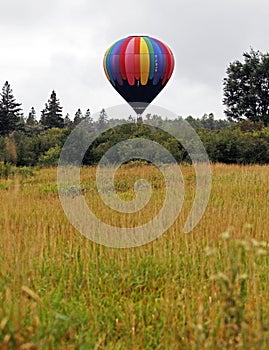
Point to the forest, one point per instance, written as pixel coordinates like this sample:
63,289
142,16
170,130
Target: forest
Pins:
241,138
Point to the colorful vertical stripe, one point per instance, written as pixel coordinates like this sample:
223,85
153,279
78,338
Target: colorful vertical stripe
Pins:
138,60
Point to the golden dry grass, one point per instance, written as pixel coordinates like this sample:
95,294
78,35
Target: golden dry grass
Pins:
202,290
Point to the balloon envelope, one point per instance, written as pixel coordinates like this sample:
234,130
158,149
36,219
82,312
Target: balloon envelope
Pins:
139,67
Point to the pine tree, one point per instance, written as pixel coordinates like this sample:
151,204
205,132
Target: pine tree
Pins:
103,118
44,115
131,119
51,116
88,117
20,125
88,114
9,110
78,117
67,121
31,120
32,126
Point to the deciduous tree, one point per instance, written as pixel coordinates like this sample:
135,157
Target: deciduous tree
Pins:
246,88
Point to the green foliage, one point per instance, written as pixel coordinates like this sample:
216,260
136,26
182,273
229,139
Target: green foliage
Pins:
246,93
52,114
78,117
51,157
67,121
243,142
2,148
31,120
6,170
103,119
234,146
25,172
9,110
208,122
130,131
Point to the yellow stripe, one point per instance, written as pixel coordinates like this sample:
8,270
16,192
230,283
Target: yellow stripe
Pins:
144,61
104,65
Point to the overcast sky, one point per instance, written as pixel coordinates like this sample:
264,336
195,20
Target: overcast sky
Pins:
60,44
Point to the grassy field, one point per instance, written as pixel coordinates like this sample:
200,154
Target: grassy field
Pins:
204,290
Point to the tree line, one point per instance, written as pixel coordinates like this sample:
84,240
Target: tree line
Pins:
241,138
12,118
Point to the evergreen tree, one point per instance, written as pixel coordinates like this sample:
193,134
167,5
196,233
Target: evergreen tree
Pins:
43,114
131,119
9,111
103,119
78,117
67,121
88,117
31,120
88,114
20,125
51,116
32,126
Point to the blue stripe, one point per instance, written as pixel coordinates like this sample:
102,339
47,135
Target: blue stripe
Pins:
112,71
158,62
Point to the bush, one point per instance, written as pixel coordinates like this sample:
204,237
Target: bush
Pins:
51,157
6,170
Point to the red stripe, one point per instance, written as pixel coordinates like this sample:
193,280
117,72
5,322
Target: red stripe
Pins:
137,58
129,62
172,65
122,58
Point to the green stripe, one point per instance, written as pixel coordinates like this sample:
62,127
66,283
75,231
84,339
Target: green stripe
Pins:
107,65
151,55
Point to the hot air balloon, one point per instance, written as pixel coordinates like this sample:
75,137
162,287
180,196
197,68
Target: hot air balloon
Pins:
139,67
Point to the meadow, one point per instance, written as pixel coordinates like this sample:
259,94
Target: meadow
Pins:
204,290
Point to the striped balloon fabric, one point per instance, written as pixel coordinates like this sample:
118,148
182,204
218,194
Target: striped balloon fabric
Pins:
139,58
139,67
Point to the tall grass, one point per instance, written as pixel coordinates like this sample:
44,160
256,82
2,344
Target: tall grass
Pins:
204,290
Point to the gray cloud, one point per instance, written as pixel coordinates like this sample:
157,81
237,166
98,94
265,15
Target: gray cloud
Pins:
60,45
